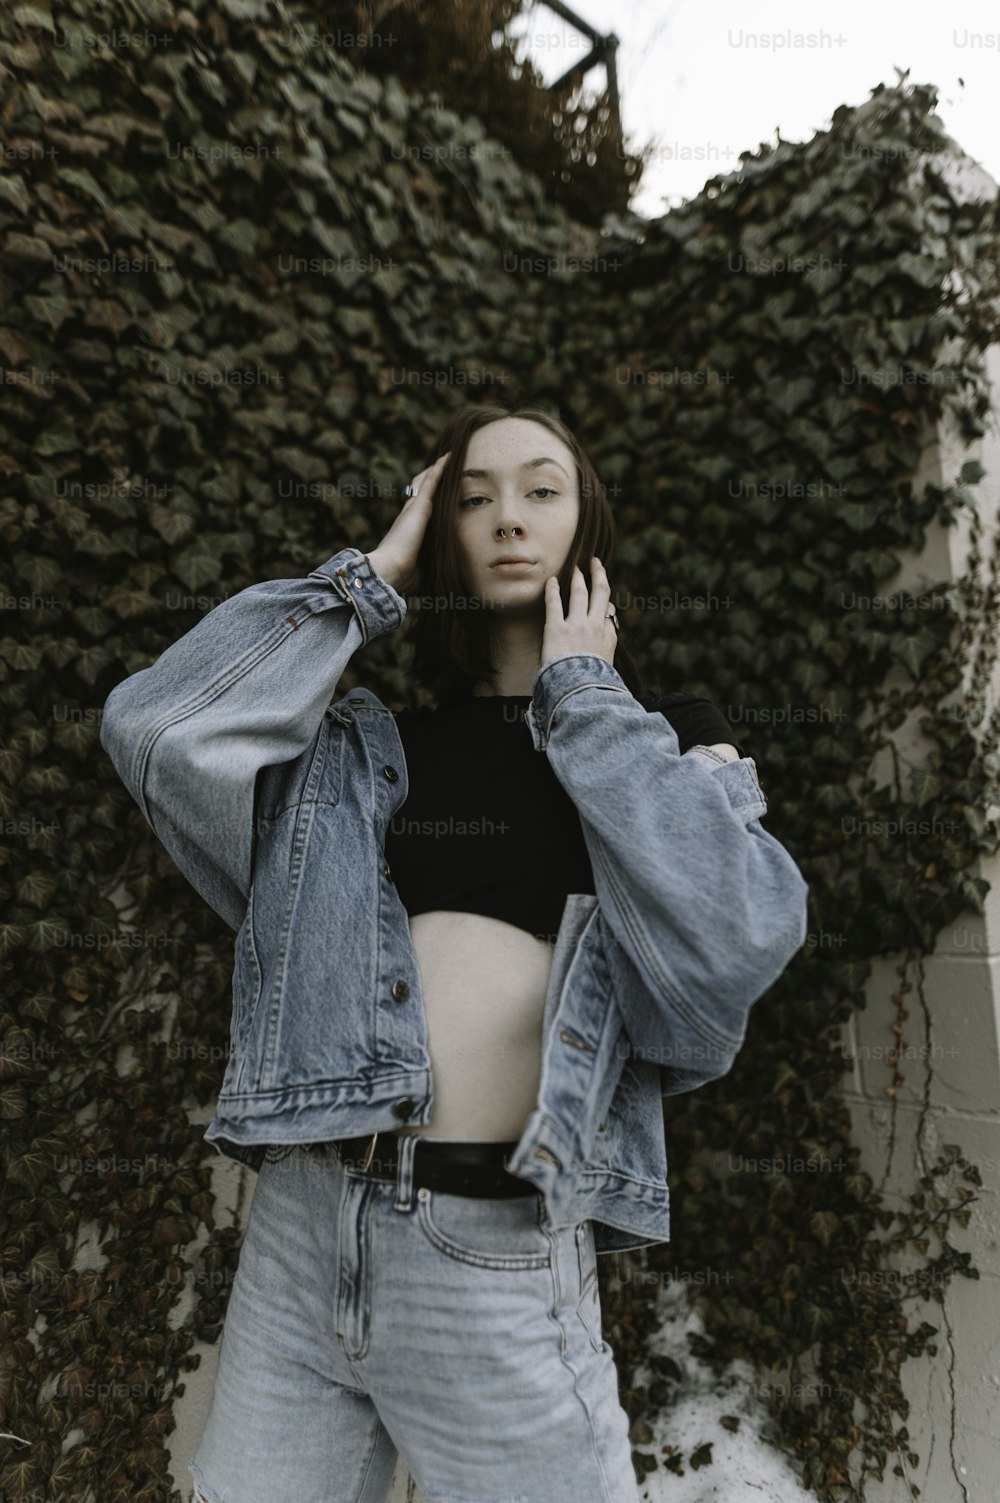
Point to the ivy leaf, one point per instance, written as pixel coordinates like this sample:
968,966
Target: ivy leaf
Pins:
973,890
923,784
13,1101
173,523
60,651
91,663
823,1225
126,602
914,651
19,655
97,543
787,1076
39,571
197,565
46,780
48,933
77,736
36,888
93,619
57,441
168,1230
924,270
241,235
39,1006
12,936
789,396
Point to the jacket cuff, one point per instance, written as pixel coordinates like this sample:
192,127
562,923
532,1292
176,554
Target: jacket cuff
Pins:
378,607
573,672
711,759
560,677
740,795
739,778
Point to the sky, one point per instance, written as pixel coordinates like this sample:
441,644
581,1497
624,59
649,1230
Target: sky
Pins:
694,85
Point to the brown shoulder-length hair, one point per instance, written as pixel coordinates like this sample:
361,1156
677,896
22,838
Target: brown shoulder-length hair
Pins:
452,648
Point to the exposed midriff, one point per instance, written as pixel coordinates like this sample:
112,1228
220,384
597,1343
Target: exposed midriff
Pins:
484,983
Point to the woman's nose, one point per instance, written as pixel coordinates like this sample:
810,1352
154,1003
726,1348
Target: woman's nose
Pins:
508,521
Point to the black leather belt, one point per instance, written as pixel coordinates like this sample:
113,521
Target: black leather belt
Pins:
476,1169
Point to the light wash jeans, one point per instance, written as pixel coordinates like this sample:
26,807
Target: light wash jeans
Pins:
369,1318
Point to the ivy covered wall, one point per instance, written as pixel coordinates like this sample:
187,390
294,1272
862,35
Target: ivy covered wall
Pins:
239,284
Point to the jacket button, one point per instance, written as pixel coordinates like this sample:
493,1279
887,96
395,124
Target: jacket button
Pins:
403,1107
391,773
387,872
401,990
357,700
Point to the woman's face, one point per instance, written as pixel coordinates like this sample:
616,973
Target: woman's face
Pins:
537,505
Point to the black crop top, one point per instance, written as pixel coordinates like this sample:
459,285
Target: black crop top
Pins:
486,826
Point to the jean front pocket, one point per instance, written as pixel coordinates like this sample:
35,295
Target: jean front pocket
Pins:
505,1235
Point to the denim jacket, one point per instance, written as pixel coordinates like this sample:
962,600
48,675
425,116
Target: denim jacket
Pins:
273,799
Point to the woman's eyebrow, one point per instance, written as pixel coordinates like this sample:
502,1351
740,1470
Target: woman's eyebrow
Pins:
529,464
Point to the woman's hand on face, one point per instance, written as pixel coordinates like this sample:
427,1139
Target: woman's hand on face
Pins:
395,557
586,627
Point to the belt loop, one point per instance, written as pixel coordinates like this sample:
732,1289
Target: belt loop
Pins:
406,1145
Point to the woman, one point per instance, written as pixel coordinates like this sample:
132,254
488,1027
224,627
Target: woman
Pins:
410,1290
480,904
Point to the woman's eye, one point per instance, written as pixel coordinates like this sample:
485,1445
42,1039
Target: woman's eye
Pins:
469,499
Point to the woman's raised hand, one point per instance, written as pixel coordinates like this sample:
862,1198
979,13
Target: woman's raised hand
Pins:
395,557
587,626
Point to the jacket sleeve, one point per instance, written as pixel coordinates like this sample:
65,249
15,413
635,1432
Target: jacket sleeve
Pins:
245,688
703,907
